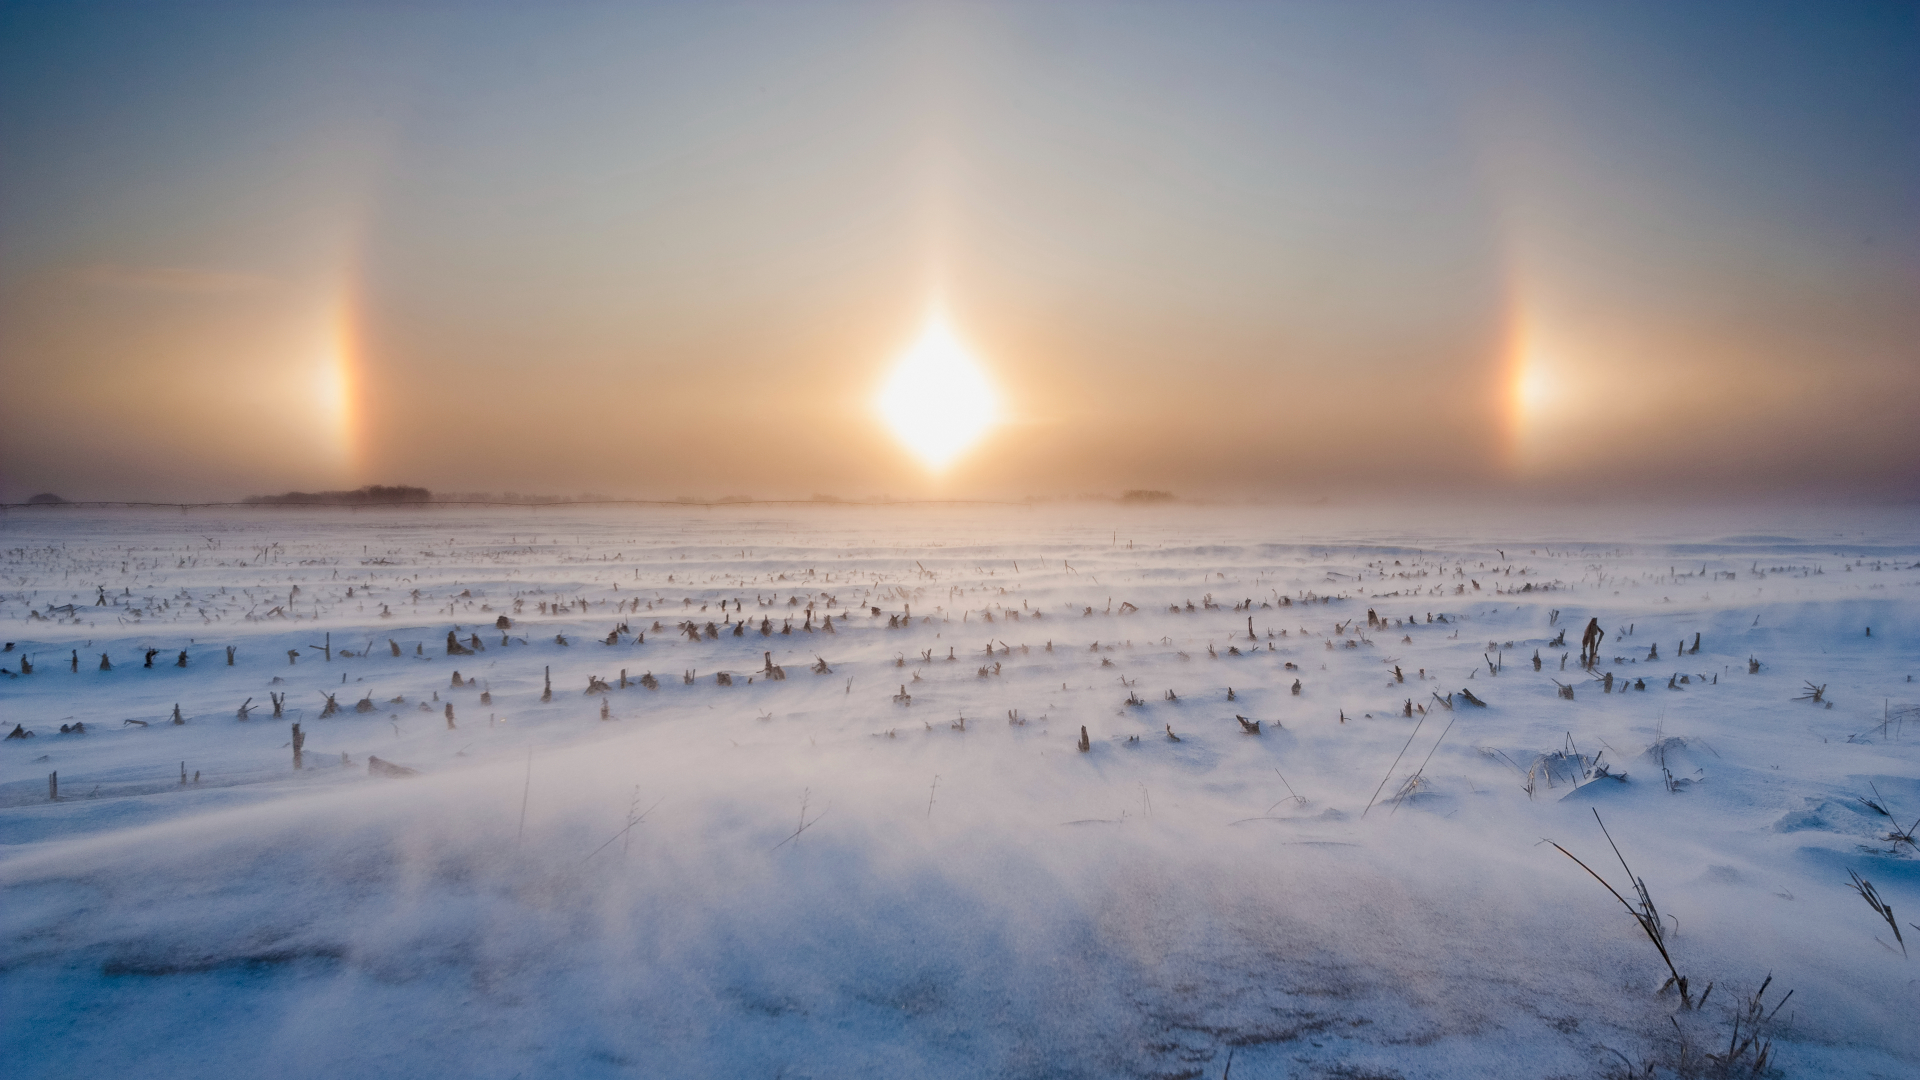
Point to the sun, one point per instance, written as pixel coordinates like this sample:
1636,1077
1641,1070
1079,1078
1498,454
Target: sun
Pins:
937,399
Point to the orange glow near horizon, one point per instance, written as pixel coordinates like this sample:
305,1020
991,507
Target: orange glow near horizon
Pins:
1532,394
336,384
1546,387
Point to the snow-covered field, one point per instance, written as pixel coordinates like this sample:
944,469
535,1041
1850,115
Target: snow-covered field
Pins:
905,865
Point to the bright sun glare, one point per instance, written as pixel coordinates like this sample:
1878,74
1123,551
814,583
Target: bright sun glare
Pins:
937,401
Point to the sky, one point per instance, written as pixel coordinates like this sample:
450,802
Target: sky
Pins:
1261,251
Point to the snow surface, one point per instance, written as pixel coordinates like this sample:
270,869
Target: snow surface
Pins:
824,881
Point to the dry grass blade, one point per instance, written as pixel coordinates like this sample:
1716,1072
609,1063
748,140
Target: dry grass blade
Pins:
1413,782
1395,765
805,824
1645,914
1881,907
1749,1046
631,822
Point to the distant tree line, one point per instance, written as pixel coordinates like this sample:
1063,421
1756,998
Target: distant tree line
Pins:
373,493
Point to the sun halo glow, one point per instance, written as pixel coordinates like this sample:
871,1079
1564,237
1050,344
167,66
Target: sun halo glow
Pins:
937,400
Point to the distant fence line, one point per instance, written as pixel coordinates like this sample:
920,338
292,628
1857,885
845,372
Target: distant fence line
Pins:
682,503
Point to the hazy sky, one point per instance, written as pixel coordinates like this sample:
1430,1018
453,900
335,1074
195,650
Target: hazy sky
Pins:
1229,249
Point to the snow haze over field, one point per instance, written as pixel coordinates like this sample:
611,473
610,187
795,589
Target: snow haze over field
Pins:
738,839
